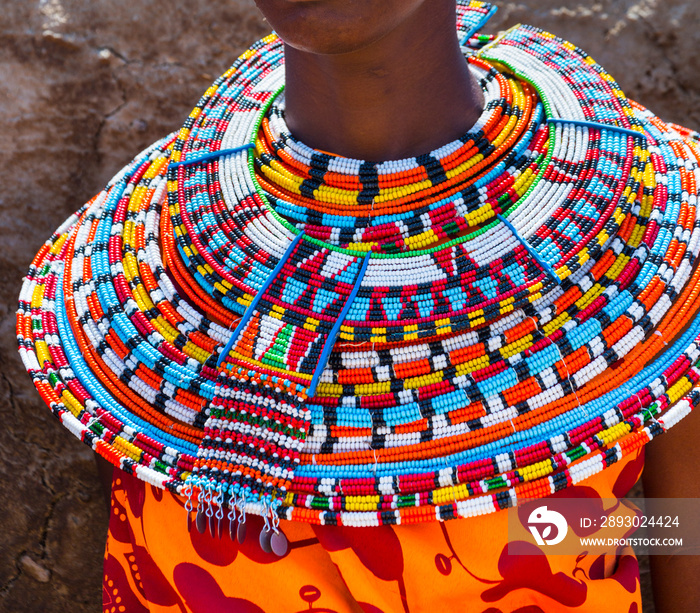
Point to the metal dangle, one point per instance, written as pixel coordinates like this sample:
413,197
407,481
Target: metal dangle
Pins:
219,514
201,519
209,516
232,522
264,539
187,492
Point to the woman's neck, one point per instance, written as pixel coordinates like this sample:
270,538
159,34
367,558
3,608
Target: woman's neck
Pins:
403,95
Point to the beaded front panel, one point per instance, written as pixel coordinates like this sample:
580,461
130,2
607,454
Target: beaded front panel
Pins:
257,421
515,310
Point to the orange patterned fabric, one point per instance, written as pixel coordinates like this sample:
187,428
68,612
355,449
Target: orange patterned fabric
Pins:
152,564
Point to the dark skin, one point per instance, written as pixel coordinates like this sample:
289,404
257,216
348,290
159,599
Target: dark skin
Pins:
374,80
670,471
385,79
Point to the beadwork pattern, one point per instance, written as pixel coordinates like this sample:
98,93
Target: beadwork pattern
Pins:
261,327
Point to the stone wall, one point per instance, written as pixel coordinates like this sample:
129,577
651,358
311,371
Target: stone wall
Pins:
84,85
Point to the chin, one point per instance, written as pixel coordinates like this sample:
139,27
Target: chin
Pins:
332,27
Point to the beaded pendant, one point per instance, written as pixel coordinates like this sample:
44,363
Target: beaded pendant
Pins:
265,328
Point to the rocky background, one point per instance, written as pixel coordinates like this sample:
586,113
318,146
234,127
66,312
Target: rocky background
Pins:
84,85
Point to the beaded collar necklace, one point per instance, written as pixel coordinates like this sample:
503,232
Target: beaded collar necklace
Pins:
264,328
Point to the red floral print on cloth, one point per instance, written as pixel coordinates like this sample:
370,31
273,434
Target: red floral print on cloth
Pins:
153,564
